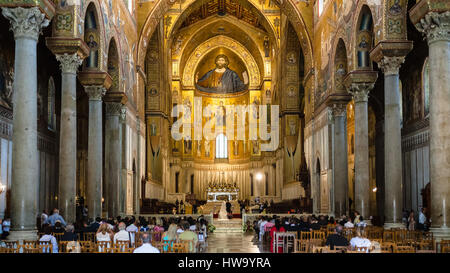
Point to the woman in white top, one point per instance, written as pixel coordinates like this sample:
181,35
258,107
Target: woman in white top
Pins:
360,241
48,237
104,234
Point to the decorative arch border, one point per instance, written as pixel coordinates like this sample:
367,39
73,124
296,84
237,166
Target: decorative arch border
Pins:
340,35
213,21
102,32
289,8
213,43
354,28
119,57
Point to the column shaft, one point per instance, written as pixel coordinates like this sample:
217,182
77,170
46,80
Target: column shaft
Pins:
393,194
112,157
439,59
68,137
26,25
95,166
340,160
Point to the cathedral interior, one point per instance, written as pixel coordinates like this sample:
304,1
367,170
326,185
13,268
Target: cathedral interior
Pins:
90,91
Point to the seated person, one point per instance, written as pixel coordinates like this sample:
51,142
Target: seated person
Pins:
336,239
48,237
69,234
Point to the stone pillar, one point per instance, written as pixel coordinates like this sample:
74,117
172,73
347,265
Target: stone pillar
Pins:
95,138
340,159
436,27
393,194
123,158
360,92
26,25
112,157
68,136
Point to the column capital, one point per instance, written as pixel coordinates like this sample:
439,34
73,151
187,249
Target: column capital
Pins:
69,63
391,65
113,108
339,109
360,91
26,22
95,92
436,26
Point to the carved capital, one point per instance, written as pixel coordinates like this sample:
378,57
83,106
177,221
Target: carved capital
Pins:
95,92
391,65
69,63
113,108
339,109
435,26
26,22
360,91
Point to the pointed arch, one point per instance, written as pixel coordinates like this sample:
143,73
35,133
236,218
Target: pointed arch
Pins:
114,67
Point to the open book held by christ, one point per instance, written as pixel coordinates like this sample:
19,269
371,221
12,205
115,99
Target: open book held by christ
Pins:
221,79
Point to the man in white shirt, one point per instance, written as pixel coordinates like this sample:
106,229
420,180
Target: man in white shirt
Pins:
146,246
122,235
422,220
44,217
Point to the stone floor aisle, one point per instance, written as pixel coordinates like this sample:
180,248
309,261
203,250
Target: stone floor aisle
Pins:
234,243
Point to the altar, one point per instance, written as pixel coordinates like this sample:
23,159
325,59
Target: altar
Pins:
222,196
222,192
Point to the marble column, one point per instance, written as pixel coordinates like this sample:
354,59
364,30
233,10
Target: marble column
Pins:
69,64
123,159
340,159
95,138
436,27
112,157
360,92
393,194
26,25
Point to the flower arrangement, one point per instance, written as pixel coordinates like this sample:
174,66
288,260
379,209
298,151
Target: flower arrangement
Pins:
211,228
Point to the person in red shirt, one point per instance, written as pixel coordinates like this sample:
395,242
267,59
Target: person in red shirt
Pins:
276,228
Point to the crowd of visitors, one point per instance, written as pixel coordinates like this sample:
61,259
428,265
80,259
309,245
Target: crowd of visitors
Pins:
112,230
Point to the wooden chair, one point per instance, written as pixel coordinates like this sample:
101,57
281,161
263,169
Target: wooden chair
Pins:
11,244
445,249
289,238
305,235
278,241
387,247
103,246
348,233
320,249
363,249
389,236
404,249
318,235
425,251
58,236
354,252
178,248
190,245
30,249
45,247
88,247
89,236
301,246
341,249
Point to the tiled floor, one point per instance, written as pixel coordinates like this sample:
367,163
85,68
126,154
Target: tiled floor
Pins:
234,243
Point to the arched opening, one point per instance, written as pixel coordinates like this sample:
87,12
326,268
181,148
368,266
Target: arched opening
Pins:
92,38
221,146
340,67
113,66
364,39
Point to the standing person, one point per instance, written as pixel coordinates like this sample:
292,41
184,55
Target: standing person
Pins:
276,228
146,247
6,225
229,212
85,212
44,217
51,220
357,218
422,220
411,221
